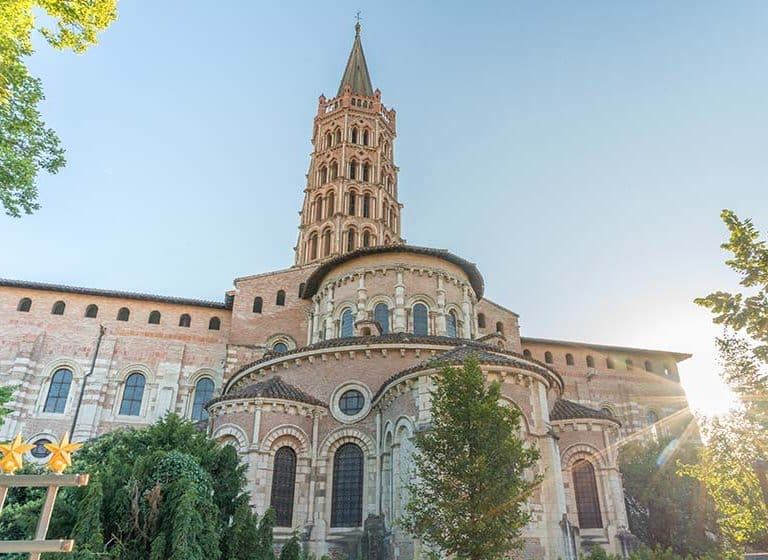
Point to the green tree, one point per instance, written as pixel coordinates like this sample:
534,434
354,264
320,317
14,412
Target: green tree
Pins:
736,441
27,145
6,393
292,549
665,508
469,487
87,531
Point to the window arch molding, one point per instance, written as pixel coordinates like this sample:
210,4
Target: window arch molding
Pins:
200,398
50,369
343,435
578,451
376,300
288,435
233,431
192,381
281,337
525,425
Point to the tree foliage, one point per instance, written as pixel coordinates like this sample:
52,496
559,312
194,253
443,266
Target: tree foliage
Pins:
470,486
27,145
665,508
735,442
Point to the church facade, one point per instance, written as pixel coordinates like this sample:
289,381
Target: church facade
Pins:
320,374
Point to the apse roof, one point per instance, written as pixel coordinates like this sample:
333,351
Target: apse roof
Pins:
471,270
569,410
274,388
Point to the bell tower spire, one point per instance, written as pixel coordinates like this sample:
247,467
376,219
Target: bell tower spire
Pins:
350,200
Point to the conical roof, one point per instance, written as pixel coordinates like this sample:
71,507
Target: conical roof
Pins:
274,388
356,73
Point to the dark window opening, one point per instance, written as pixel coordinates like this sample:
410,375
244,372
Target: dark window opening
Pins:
351,402
203,393
280,299
25,304
92,311
480,321
214,324
347,497
548,357
58,308
154,318
257,303
283,486
58,391
133,395
587,501
185,320
123,314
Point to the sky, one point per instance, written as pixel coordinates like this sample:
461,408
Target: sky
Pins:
579,152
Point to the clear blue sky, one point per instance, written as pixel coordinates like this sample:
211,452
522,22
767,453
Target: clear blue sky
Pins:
579,152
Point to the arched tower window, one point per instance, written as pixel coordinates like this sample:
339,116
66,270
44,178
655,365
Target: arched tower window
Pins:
347,325
154,318
280,348
323,175
366,205
58,308
590,361
328,140
133,395
450,324
353,169
312,248
326,243
587,501
280,298
301,289
330,204
381,316
347,497
366,176
214,324
318,208
25,304
527,353
257,304
569,359
203,393
334,172
337,136
58,391
366,238
351,239
92,311
366,137
123,314
500,327
548,357
420,320
353,135
283,486
185,320
481,320
352,199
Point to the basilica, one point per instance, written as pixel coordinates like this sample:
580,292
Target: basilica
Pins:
320,374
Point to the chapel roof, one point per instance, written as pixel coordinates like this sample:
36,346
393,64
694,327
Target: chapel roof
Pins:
356,73
273,388
569,410
470,268
679,356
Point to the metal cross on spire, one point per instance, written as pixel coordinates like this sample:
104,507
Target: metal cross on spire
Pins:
357,25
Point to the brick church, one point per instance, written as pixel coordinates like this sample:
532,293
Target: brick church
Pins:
320,374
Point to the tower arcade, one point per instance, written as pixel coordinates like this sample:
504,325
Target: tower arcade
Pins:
350,200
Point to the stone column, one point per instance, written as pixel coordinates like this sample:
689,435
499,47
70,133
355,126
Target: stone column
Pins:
440,327
362,298
400,320
466,307
329,313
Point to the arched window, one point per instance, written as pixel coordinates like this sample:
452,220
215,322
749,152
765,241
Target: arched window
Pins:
330,203
257,303
337,136
352,199
353,135
648,365
203,393
481,320
351,240
609,363
132,395
328,140
319,208
40,451
366,238
283,485
334,170
301,289
569,359
25,304
667,369
58,308
323,175
347,324
587,501
366,205
58,392
366,172
154,318
366,137
450,325
326,243
347,497
392,219
420,320
381,316
653,418
280,298
353,171
628,363
548,357
590,361
92,311
527,353
214,324
608,411
313,246
185,320
280,348
500,327
123,314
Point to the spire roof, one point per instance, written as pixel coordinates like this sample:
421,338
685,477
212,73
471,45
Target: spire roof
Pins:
356,73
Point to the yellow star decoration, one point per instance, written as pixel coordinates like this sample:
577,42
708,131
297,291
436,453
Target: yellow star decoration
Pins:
61,454
12,454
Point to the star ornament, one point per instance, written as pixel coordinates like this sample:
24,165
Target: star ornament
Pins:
61,454
12,454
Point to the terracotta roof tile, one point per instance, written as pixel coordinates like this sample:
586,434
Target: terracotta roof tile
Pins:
274,388
569,410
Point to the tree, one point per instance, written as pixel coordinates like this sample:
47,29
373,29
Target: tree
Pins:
292,549
470,485
6,393
665,508
26,144
735,442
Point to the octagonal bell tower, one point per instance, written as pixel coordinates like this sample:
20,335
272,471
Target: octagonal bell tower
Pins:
350,200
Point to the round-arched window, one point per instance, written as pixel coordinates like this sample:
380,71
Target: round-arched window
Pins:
39,450
351,402
280,348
